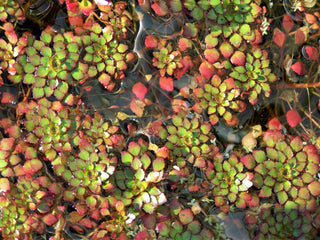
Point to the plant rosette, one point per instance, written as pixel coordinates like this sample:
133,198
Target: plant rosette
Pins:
118,17
165,58
220,99
10,10
25,206
188,140
136,183
286,168
50,126
87,173
231,183
285,222
178,222
252,73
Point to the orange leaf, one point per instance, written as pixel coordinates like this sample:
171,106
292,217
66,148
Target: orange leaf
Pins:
166,83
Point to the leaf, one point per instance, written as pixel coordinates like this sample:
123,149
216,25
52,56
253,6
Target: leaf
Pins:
212,55
139,90
274,124
8,98
85,7
238,58
299,68
4,185
300,36
184,44
293,117
49,219
166,83
151,41
226,49
287,23
206,69
311,52
160,8
137,107
279,37
186,216
313,187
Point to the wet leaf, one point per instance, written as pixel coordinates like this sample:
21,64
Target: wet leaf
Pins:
160,8
206,69
4,185
311,52
287,23
166,83
300,36
186,216
137,107
49,219
238,58
151,41
293,117
314,188
299,68
279,37
139,90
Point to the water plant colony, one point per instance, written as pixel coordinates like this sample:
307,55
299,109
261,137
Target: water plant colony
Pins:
159,119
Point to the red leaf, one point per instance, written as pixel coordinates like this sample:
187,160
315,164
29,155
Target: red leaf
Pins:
184,44
206,69
212,55
163,152
8,98
312,52
139,90
299,68
166,83
287,23
144,235
106,81
151,41
293,118
160,8
311,19
279,37
238,58
76,21
179,105
300,36
274,124
49,219
72,5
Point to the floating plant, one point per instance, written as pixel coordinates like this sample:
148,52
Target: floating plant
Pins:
285,167
157,170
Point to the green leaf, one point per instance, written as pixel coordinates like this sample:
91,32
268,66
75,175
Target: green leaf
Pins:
265,192
38,92
197,13
29,79
126,158
46,37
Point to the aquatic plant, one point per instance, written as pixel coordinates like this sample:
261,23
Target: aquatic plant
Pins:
231,183
188,140
285,167
157,168
285,222
10,11
219,98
